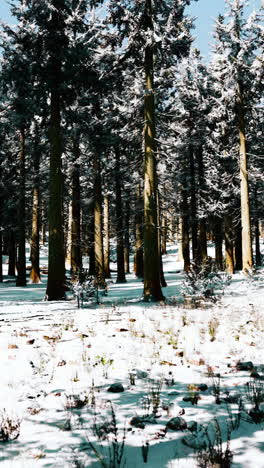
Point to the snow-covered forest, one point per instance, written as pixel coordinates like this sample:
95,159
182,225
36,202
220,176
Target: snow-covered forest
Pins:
131,236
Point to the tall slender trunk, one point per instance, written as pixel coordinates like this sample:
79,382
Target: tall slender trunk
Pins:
91,242
11,253
218,238
138,258
35,271
185,231
121,277
257,230
238,246
56,268
1,255
229,245
98,235
106,238
76,256
127,233
202,223
152,287
21,261
194,223
162,277
68,247
164,234
247,257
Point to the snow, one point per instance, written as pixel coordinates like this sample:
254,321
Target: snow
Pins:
54,354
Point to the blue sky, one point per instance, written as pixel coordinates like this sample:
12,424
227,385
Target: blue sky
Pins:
205,11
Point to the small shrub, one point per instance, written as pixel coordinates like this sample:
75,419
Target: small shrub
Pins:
109,448
215,455
202,281
9,427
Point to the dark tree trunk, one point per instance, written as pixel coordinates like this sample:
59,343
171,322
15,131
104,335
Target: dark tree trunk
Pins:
218,238
35,271
194,223
202,223
229,245
164,236
106,238
76,256
138,258
127,233
1,255
56,269
121,277
152,286
162,277
185,232
21,261
257,230
12,253
238,247
90,243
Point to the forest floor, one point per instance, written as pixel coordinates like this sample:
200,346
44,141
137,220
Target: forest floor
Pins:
125,383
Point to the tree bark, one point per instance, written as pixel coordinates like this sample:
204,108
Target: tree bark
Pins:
1,255
35,271
138,258
257,230
247,257
202,223
106,238
185,232
218,238
127,233
194,223
11,253
76,256
229,245
98,235
238,247
21,261
56,269
152,287
121,277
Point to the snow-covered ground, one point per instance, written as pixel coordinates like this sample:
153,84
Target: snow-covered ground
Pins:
171,361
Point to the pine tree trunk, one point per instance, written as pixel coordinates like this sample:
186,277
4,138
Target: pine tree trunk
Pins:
185,232
126,236
257,230
21,261
218,238
76,256
162,277
56,268
43,223
12,253
121,277
152,287
91,243
202,223
106,238
229,245
138,258
247,257
35,271
238,247
180,240
194,223
1,256
68,248
164,234
98,235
